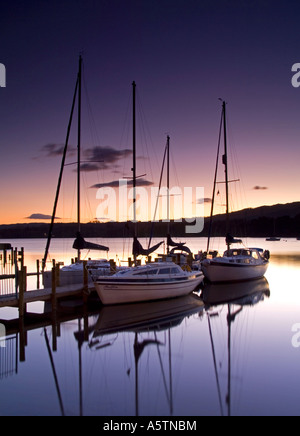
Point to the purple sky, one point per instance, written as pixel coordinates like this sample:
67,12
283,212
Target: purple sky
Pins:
183,55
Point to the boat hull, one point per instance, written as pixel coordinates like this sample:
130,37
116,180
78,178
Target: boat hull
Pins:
217,272
115,292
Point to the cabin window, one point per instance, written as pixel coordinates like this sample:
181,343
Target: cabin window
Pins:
152,271
164,271
174,271
255,254
146,272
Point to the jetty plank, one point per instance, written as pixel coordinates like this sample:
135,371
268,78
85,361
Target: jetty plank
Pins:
44,294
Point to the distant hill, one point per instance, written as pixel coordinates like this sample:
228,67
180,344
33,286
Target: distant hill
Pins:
281,220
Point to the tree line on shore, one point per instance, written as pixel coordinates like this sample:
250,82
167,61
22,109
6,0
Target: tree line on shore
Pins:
246,226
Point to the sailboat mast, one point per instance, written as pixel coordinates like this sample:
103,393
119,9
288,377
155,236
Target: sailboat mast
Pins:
225,161
134,162
168,188
59,180
78,150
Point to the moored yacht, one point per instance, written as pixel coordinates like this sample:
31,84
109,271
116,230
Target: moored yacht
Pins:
154,281
237,264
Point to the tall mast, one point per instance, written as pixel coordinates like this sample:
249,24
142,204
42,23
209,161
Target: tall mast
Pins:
59,179
78,151
168,188
225,161
214,185
134,162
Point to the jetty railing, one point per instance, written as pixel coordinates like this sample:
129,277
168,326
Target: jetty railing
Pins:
11,269
8,356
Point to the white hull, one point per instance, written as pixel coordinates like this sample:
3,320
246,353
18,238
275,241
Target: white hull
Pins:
73,274
114,292
217,272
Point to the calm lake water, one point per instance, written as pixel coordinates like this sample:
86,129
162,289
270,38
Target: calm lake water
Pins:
237,357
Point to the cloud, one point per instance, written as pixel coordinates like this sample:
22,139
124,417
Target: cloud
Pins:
40,216
259,188
93,159
103,158
115,183
54,150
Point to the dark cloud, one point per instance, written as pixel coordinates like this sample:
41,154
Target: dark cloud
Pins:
258,188
40,216
53,150
103,158
115,183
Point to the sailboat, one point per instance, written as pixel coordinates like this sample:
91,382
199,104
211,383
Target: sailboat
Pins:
236,264
73,273
154,281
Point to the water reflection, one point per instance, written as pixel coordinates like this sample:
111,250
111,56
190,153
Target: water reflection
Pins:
137,359
138,318
234,297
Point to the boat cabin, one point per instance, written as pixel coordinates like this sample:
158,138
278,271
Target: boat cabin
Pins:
153,270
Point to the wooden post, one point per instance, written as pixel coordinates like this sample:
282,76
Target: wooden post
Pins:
57,275
54,307
85,282
22,256
22,290
38,273
53,294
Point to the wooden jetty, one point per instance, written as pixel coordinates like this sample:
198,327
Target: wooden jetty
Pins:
19,296
81,299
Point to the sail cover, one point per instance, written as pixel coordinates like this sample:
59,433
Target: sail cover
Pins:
231,240
80,244
138,250
177,245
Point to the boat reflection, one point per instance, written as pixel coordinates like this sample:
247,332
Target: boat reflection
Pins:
138,318
235,297
156,315
249,292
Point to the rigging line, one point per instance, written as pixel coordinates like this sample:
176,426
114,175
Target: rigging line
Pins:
126,130
93,126
157,199
214,184
143,137
162,369
146,129
60,177
174,168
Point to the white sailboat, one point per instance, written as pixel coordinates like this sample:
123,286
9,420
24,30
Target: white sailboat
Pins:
154,281
235,264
